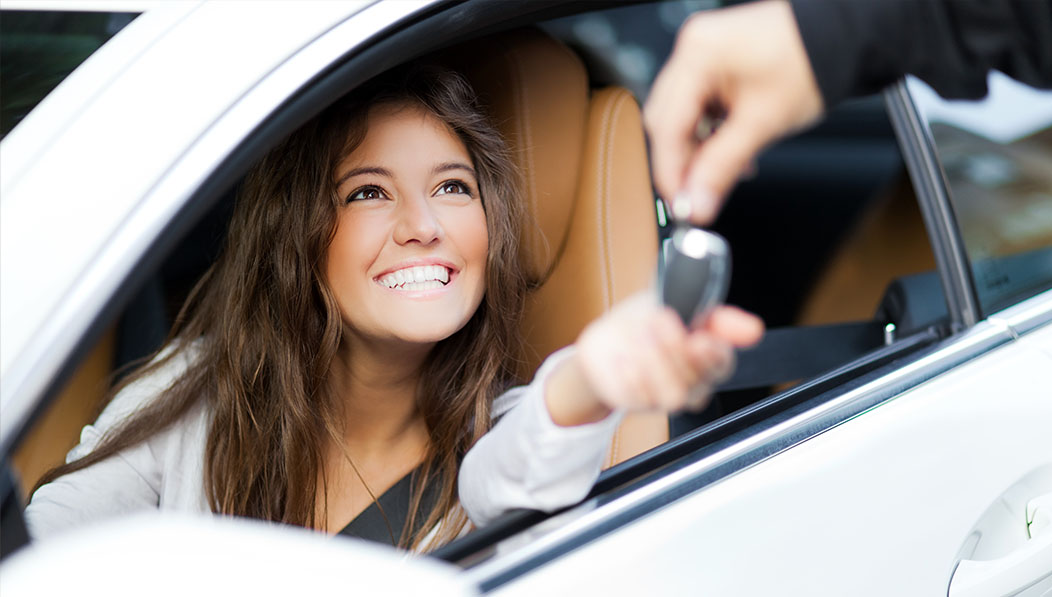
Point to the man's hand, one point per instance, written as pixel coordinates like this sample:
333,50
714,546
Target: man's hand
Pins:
747,62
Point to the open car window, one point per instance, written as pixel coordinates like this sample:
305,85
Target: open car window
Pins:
995,155
828,245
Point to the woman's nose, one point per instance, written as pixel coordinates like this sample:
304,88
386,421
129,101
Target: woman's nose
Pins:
416,222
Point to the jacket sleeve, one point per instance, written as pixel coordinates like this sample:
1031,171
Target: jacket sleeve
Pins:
857,47
128,481
527,461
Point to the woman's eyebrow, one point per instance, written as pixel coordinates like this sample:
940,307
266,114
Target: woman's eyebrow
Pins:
364,170
447,166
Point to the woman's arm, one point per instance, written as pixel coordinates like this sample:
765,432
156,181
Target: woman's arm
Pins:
118,485
639,356
529,461
131,480
547,452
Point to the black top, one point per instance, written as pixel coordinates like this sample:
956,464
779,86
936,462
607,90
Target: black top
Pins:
370,523
857,47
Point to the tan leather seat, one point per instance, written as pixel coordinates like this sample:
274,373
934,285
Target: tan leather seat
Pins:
584,161
58,429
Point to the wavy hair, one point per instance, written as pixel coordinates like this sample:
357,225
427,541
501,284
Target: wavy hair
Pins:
265,327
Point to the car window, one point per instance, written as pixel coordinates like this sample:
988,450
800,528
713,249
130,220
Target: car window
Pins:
828,244
997,158
38,49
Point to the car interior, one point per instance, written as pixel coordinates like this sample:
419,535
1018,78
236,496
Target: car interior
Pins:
828,244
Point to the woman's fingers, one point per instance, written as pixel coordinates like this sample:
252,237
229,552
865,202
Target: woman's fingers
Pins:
737,326
711,357
640,356
670,334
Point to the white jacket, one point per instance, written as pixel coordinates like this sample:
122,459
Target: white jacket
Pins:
525,461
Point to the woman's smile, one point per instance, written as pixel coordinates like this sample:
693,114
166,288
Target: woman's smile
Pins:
418,280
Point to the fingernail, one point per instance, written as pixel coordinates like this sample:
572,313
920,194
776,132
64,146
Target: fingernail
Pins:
682,207
702,206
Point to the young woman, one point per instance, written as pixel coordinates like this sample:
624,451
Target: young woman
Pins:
348,344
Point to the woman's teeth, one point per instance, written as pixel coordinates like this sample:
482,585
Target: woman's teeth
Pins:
421,277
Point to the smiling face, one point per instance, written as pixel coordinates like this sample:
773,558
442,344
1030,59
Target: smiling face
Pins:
407,262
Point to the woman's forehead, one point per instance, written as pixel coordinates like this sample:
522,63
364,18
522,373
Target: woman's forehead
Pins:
405,132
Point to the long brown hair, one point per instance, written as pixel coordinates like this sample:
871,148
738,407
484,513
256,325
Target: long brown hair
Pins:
265,328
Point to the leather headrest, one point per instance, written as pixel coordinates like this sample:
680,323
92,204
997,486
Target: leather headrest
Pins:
536,90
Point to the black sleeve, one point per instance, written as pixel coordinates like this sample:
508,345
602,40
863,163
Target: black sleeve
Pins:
857,47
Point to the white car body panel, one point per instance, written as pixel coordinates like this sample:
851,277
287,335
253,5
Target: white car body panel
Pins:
828,517
51,117
194,555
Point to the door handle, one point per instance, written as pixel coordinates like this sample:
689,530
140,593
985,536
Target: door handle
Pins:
1028,568
1025,571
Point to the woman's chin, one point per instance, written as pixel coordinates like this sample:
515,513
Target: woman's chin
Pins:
425,334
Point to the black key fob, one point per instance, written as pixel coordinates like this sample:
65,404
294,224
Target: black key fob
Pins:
697,272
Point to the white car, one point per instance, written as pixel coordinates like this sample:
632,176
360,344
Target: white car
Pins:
892,435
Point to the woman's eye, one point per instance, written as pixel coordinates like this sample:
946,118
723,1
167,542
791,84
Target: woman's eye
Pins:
452,187
365,193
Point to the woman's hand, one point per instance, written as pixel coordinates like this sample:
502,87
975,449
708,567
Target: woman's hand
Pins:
640,356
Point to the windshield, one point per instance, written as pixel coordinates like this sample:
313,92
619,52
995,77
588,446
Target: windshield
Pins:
38,49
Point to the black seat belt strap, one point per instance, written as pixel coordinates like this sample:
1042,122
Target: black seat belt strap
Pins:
794,353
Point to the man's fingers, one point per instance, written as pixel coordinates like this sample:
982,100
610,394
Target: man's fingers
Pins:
671,113
721,160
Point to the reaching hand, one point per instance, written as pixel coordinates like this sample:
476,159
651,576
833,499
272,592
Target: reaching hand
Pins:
640,356
747,62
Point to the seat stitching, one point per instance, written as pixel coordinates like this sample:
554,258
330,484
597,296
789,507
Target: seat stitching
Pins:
602,248
525,135
606,143
601,205
607,226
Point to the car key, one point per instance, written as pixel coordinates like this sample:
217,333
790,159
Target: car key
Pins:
697,268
